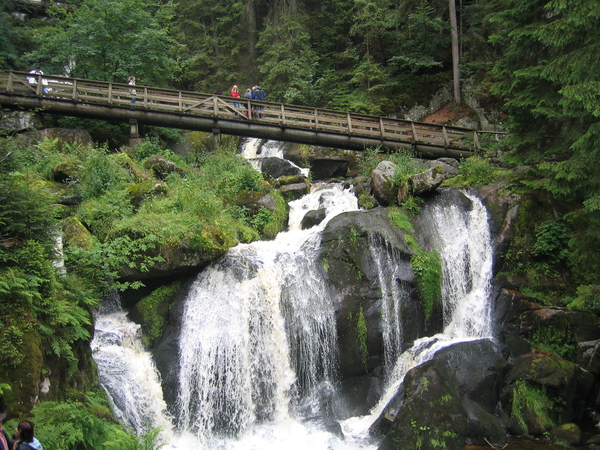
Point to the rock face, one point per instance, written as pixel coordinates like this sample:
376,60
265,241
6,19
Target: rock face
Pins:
450,399
18,121
64,135
353,274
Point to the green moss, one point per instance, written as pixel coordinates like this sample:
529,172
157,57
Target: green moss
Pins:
553,339
427,267
399,219
366,200
278,218
533,400
154,310
361,335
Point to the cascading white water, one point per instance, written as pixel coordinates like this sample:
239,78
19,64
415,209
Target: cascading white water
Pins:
254,150
463,241
128,375
243,318
246,314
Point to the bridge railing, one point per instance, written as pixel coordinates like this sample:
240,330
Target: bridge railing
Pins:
224,107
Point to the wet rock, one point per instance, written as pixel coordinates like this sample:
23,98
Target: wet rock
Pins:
588,356
568,433
449,399
312,218
277,167
255,200
324,169
293,191
18,121
432,178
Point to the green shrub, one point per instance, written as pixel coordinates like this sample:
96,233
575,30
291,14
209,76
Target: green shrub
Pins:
427,267
533,399
473,172
399,219
154,309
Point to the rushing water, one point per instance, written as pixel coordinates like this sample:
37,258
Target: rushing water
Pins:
248,313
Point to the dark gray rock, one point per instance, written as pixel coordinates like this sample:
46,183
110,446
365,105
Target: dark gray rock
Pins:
324,169
293,191
312,218
162,167
277,167
449,399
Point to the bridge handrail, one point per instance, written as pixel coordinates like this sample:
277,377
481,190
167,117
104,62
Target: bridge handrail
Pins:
223,106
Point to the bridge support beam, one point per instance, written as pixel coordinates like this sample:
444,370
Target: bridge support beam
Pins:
134,133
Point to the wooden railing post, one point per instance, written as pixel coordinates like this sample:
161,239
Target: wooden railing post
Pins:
9,84
446,140
414,132
74,90
476,142
145,97
316,119
381,130
110,93
282,115
349,124
215,106
180,102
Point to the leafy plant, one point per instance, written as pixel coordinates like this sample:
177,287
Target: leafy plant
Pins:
427,267
473,172
529,398
399,219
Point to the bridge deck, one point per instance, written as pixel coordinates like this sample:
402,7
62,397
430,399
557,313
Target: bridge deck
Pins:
208,112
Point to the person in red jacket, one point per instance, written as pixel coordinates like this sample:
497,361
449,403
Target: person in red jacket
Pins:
236,93
6,443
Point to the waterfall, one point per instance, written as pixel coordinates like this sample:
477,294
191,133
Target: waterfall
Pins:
462,238
258,343
128,374
258,338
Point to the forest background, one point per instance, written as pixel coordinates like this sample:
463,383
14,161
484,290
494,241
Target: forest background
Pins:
533,60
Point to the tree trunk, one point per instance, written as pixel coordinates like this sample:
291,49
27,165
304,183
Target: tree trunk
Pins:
455,51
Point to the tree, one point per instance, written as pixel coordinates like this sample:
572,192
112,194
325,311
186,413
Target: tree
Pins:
109,40
550,76
455,51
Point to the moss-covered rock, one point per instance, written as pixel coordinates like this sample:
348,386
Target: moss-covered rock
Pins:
67,169
75,233
162,167
145,189
152,312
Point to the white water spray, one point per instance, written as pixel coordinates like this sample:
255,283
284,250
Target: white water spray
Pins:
128,375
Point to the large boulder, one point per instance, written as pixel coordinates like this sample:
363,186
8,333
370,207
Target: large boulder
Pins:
544,390
450,400
254,201
162,167
64,136
429,180
324,169
367,259
277,167
381,181
11,121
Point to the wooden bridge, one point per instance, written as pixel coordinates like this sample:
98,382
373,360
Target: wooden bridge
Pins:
226,115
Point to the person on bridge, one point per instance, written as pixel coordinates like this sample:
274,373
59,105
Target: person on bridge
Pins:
133,92
259,94
248,95
33,80
235,93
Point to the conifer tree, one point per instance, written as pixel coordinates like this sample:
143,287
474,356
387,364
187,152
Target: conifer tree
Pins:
550,76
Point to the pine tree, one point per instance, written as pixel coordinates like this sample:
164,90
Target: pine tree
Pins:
550,76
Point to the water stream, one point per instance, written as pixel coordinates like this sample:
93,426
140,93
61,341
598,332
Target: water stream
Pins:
258,343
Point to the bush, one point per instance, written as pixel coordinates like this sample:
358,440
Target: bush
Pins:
474,172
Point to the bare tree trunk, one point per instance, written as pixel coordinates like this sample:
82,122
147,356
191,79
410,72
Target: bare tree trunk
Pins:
251,29
455,51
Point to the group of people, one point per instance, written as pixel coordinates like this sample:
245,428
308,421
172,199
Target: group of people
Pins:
23,439
253,93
